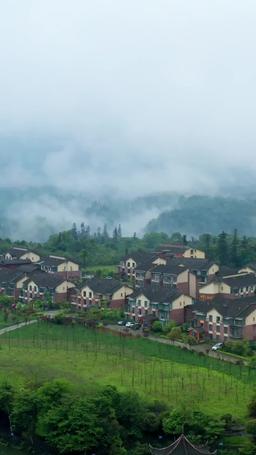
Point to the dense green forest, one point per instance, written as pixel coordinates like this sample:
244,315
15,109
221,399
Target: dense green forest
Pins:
103,248
57,416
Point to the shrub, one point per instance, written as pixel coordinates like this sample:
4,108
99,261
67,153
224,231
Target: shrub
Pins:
157,326
175,333
169,326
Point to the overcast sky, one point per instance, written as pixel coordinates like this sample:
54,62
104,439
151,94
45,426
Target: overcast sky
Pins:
128,95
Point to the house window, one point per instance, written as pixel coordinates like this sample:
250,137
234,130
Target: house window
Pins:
217,328
139,302
84,294
210,318
133,264
225,330
145,304
218,319
30,287
210,328
128,264
90,294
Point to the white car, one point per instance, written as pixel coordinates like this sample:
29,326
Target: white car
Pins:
129,324
217,346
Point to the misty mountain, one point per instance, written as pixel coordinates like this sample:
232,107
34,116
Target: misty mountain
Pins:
203,214
34,213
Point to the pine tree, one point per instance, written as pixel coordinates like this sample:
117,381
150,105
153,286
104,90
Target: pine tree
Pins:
87,232
119,231
82,230
184,240
222,248
74,231
115,234
234,250
105,232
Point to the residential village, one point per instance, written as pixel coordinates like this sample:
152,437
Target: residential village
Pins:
175,283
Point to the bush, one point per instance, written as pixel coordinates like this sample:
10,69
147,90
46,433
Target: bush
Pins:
242,348
169,326
175,333
157,326
251,428
252,407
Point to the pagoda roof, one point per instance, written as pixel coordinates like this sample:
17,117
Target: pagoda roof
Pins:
181,446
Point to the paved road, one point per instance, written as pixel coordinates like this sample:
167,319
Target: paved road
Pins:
16,326
199,348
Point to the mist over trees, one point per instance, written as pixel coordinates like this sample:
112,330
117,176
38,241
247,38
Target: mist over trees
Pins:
197,214
36,213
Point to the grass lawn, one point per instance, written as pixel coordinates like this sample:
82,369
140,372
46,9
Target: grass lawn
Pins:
13,318
105,269
87,358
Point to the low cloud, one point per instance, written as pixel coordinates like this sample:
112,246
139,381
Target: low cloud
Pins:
127,98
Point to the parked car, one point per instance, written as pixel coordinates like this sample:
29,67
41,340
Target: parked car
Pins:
130,324
121,323
217,346
136,326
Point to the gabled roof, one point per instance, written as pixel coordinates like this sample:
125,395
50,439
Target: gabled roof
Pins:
103,285
227,307
157,294
45,280
241,281
182,446
17,251
55,260
173,248
170,268
10,276
225,271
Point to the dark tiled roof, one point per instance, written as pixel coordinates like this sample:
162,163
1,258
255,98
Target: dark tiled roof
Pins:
233,308
103,285
45,280
17,251
157,293
55,260
193,263
241,281
6,262
182,446
28,268
10,276
225,271
139,256
169,268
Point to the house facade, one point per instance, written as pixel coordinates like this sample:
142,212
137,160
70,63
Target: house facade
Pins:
22,254
234,286
162,304
226,319
67,268
44,286
98,291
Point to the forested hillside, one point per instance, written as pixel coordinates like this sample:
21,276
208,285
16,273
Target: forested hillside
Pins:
197,214
105,247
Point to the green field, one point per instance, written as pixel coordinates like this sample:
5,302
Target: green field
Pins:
89,358
103,269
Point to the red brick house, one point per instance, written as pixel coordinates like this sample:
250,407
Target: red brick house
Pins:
42,285
164,304
97,290
223,318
